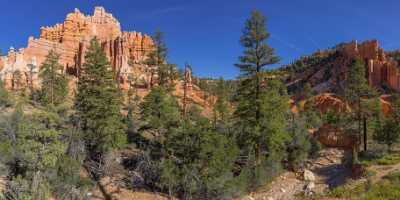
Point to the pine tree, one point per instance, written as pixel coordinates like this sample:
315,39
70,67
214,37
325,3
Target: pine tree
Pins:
157,58
261,104
221,105
159,115
199,162
54,89
98,103
356,86
167,74
387,131
33,145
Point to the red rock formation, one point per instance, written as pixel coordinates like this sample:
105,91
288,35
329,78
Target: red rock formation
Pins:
326,102
125,50
335,137
381,68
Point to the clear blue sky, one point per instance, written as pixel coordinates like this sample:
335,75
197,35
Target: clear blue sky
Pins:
205,33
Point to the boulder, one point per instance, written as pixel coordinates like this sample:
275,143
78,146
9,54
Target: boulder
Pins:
308,176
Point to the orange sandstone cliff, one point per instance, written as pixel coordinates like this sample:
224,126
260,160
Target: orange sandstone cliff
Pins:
327,70
125,50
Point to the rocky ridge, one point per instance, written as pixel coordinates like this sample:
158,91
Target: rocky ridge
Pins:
327,70
125,50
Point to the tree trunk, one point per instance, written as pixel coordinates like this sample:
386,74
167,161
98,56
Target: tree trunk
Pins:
365,133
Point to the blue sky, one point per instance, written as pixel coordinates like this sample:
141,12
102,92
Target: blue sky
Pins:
205,33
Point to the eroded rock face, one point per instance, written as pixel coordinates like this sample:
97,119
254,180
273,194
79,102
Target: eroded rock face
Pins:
126,50
331,136
382,69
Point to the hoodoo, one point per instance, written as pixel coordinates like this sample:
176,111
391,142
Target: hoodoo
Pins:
126,50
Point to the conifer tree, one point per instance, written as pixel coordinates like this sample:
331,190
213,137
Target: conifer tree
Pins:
387,131
221,105
159,115
54,89
167,74
200,161
261,104
157,58
356,86
98,103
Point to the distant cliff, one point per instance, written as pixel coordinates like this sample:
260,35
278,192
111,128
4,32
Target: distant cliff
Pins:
326,70
125,50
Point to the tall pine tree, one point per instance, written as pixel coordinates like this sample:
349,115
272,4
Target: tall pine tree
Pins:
157,58
98,103
54,88
356,87
261,104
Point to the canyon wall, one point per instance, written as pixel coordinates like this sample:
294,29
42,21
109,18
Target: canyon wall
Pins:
126,51
382,69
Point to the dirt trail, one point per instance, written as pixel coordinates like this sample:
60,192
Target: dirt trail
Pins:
381,171
329,171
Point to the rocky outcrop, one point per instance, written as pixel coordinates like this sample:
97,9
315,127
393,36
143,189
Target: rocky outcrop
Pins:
335,137
327,70
126,51
329,102
382,69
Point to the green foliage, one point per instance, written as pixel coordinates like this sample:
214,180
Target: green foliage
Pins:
98,103
221,109
157,60
167,74
199,163
68,183
300,145
5,97
257,53
159,115
387,189
387,132
54,89
34,145
260,114
356,84
159,55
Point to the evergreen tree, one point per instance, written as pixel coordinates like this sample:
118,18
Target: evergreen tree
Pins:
307,91
300,145
5,100
386,128
54,89
221,105
261,104
157,58
199,162
356,87
167,74
33,146
98,103
159,115
387,131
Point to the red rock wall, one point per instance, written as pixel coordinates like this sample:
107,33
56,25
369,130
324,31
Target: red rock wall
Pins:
381,68
126,50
